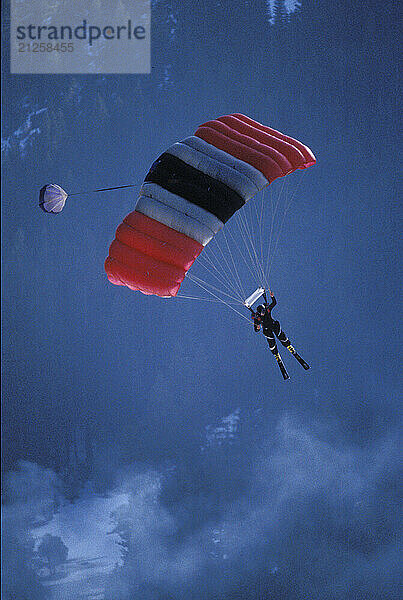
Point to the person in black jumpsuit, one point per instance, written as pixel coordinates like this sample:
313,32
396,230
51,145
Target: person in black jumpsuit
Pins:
262,318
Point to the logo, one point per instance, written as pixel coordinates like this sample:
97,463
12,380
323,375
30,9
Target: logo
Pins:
49,37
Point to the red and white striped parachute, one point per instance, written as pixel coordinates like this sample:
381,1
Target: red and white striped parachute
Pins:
190,192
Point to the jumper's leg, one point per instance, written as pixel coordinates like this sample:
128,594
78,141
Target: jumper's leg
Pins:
273,349
281,335
287,344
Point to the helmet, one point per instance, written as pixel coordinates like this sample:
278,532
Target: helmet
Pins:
260,309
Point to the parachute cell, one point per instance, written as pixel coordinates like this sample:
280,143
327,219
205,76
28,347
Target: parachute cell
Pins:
188,195
52,198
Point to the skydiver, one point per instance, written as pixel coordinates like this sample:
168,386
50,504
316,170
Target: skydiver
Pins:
263,318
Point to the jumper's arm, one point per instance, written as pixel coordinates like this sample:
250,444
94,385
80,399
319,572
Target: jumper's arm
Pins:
272,303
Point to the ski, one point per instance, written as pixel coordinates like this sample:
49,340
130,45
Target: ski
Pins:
282,367
298,357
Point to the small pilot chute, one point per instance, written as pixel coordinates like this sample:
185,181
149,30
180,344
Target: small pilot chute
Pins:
52,198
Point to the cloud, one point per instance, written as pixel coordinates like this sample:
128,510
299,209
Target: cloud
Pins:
24,137
311,517
35,506
85,524
31,496
312,523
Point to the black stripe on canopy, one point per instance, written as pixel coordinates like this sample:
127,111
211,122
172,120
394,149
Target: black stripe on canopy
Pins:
179,178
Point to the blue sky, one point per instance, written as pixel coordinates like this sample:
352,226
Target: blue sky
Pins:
166,425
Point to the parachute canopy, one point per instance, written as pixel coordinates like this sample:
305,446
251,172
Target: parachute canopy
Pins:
188,195
52,198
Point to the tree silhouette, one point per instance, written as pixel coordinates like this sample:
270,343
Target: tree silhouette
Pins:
280,13
53,550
